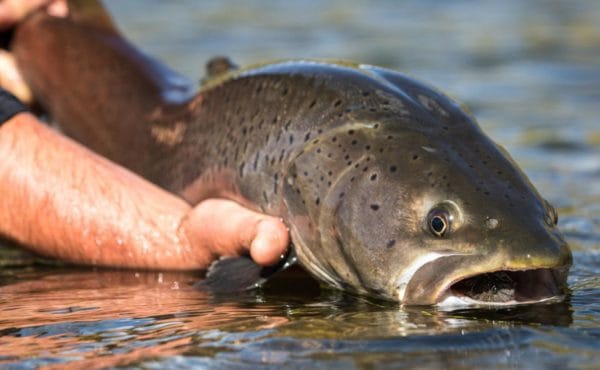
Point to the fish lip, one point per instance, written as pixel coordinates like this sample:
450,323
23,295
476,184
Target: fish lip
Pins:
549,284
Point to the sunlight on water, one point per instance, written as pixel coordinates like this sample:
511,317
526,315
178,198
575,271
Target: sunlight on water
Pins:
529,71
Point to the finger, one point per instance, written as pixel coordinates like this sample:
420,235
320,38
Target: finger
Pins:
229,229
11,79
58,8
270,241
12,11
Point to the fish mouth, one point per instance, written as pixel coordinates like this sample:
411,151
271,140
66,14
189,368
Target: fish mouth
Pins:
506,287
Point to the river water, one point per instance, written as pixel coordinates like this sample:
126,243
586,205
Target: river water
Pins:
530,73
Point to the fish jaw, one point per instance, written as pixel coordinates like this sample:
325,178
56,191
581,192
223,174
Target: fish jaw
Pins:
451,280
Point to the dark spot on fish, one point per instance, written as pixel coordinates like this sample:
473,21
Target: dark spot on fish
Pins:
499,172
445,128
328,155
354,142
319,131
374,177
334,139
330,173
352,179
284,92
317,201
312,103
486,192
389,137
255,164
242,169
350,132
415,157
367,147
305,173
365,169
291,139
372,109
306,137
393,169
281,155
328,183
347,156
391,243
366,93
374,207
316,141
349,163
337,103
318,150
376,126
342,194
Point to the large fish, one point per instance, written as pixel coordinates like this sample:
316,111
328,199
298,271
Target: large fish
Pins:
389,188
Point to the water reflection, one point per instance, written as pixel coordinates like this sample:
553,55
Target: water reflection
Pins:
79,316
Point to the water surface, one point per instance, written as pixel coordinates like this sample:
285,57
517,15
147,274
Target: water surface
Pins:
529,71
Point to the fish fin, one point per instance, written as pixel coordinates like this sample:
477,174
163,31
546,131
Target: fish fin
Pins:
91,12
236,274
218,66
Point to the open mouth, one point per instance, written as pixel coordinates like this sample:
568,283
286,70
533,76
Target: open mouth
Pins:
507,287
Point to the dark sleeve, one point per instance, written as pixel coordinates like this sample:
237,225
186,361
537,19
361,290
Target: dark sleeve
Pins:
9,106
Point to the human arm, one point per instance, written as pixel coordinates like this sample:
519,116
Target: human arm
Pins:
64,201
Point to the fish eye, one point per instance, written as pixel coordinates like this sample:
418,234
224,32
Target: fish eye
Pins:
439,222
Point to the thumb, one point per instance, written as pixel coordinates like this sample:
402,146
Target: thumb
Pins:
227,229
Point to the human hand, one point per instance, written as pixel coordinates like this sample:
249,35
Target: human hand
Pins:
12,11
229,229
11,79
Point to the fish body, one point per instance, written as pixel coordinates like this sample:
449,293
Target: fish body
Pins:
388,186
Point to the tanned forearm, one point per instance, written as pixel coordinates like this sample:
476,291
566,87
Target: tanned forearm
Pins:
69,203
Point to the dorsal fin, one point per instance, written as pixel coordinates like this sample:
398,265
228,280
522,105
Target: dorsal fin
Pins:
218,66
91,12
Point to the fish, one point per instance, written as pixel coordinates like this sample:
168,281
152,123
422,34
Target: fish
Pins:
389,188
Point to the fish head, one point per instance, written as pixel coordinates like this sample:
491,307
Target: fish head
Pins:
427,219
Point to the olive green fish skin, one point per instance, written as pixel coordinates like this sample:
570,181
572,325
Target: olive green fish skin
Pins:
353,158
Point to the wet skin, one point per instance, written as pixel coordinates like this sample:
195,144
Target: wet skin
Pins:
389,188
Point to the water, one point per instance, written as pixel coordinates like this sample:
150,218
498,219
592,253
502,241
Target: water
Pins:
530,72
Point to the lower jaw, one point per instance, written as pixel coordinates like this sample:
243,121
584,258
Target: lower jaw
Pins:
506,288
454,301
